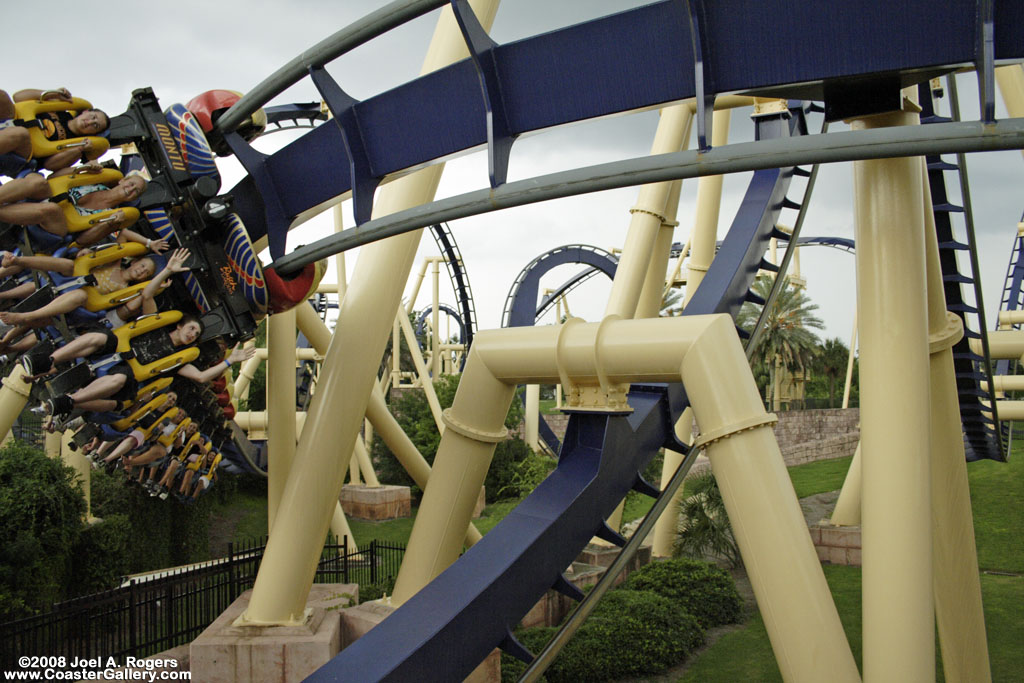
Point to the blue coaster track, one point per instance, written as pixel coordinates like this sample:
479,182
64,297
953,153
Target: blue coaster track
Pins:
853,55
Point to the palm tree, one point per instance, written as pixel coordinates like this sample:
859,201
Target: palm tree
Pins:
831,362
671,303
786,339
704,530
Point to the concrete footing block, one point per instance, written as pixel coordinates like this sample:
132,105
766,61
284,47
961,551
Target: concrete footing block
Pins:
225,653
375,503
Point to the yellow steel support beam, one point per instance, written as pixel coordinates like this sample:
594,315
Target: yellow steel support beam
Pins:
14,394
847,509
895,421
702,250
1010,80
705,353
280,407
347,379
958,608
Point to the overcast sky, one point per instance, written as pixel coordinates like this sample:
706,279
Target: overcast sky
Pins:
183,49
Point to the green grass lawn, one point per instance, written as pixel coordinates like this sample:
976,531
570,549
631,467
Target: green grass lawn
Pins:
996,491
819,477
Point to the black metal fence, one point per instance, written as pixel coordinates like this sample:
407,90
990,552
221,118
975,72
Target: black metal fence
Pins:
151,615
29,428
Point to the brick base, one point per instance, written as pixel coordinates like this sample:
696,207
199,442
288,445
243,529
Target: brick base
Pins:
837,544
225,653
375,503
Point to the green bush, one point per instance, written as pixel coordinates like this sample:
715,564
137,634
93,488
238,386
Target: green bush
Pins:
164,533
699,588
41,508
629,633
374,591
412,412
522,476
100,557
704,528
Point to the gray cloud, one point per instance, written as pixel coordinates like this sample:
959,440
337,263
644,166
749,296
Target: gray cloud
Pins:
189,47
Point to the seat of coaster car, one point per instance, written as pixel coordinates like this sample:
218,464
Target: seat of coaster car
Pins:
82,373
76,222
25,113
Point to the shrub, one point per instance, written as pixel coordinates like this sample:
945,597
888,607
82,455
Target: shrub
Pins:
100,557
412,412
41,508
630,633
524,475
163,533
699,588
704,529
375,591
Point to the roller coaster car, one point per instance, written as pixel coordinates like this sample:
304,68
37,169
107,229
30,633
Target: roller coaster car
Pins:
211,105
153,404
25,113
129,342
168,439
76,222
171,146
86,262
149,424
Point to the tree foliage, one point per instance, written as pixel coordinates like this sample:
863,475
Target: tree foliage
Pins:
704,530
412,411
830,363
786,337
41,509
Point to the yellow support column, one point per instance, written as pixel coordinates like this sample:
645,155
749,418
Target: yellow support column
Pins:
702,250
461,464
899,626
958,606
280,407
705,353
421,370
362,458
531,418
665,530
51,444
646,224
435,322
347,378
380,417
1011,84
405,451
792,595
647,218
847,509
14,395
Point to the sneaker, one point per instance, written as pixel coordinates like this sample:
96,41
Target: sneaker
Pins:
61,405
162,495
37,361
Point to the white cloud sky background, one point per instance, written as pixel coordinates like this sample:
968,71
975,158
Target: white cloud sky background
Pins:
183,49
